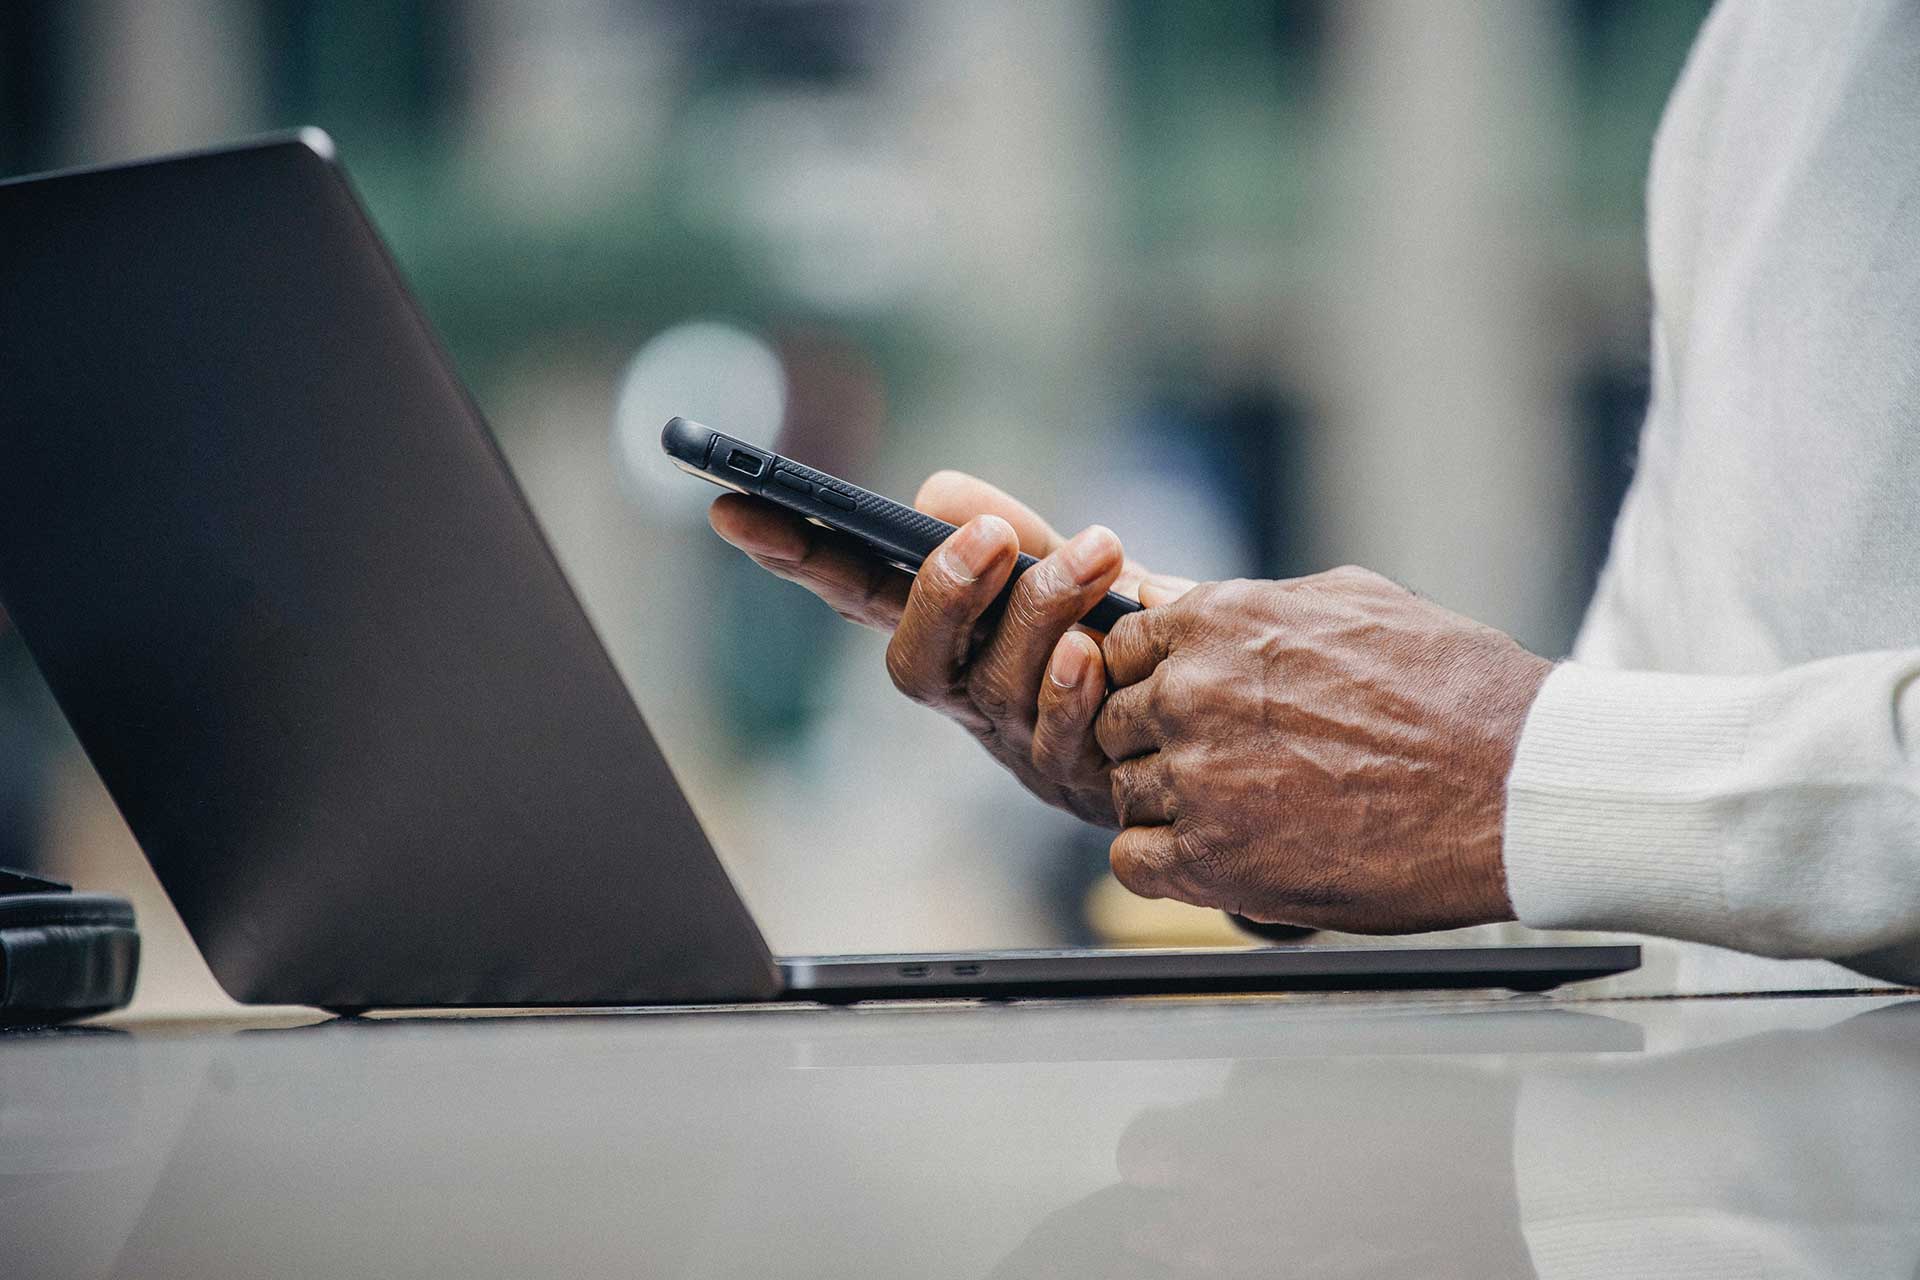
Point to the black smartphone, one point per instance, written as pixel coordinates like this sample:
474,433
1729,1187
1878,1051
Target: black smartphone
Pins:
892,531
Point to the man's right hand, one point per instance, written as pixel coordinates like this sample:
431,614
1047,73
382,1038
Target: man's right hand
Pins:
1026,681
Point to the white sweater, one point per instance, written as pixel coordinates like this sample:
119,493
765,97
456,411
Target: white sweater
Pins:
1733,755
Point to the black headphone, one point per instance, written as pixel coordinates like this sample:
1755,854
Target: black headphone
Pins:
63,955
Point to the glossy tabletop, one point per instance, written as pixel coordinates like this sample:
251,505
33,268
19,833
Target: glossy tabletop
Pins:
1308,1136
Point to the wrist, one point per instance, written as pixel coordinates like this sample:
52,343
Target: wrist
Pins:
1505,710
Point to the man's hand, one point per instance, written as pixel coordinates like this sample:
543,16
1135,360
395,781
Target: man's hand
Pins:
1024,681
1328,751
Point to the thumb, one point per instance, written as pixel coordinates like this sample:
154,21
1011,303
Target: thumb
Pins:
1164,588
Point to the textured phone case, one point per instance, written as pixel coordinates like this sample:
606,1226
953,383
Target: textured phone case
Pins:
896,532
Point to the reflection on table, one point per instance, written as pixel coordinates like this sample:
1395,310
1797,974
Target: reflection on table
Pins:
1393,1136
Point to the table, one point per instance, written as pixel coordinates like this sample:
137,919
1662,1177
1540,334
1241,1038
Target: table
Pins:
1393,1135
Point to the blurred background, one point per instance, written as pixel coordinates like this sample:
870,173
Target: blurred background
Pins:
1265,285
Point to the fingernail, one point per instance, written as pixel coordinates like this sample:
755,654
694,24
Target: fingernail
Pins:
977,545
1069,667
1091,553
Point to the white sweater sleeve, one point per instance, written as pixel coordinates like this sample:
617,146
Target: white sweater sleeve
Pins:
1776,814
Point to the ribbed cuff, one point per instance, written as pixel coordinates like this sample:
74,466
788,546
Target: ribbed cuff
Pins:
1615,806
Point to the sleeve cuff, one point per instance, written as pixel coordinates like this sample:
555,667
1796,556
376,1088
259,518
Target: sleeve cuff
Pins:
1615,805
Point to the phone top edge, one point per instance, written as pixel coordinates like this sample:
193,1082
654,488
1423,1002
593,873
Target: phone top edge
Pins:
687,441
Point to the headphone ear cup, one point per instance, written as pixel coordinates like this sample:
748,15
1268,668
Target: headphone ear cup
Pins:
65,956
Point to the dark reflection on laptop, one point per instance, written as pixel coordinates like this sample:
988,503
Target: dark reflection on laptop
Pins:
1789,1153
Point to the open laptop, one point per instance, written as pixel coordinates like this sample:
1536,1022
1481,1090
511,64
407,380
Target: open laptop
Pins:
276,572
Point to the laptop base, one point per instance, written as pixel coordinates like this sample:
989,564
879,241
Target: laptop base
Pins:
1010,974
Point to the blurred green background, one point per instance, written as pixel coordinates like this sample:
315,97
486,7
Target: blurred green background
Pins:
1265,285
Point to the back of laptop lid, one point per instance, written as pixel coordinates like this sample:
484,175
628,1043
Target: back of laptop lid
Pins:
273,567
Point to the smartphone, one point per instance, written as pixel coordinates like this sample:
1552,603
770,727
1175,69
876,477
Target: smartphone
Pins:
893,532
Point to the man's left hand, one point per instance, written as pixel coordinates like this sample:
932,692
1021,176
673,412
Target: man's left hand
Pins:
1328,751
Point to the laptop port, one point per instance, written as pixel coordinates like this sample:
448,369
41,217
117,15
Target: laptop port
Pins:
746,462
914,970
966,970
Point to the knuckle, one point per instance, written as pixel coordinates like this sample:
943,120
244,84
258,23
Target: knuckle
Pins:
1172,701
1188,767
1207,595
1172,624
989,691
1156,699
1172,778
1140,790
904,670
995,705
1035,605
1199,866
1126,636
1044,752
1170,695
1114,728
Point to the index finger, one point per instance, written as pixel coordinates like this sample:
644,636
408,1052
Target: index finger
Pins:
859,587
956,497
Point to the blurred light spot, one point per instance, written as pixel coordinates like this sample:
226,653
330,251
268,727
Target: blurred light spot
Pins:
714,373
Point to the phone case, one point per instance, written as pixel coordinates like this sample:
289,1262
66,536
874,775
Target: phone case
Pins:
896,533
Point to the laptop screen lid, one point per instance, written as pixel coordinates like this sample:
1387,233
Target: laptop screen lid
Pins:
268,556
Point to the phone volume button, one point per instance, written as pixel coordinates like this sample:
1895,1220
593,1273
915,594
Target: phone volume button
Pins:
834,498
786,479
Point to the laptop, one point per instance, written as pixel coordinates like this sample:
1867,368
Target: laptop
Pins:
277,574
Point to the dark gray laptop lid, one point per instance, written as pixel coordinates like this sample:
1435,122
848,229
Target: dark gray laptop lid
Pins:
270,561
